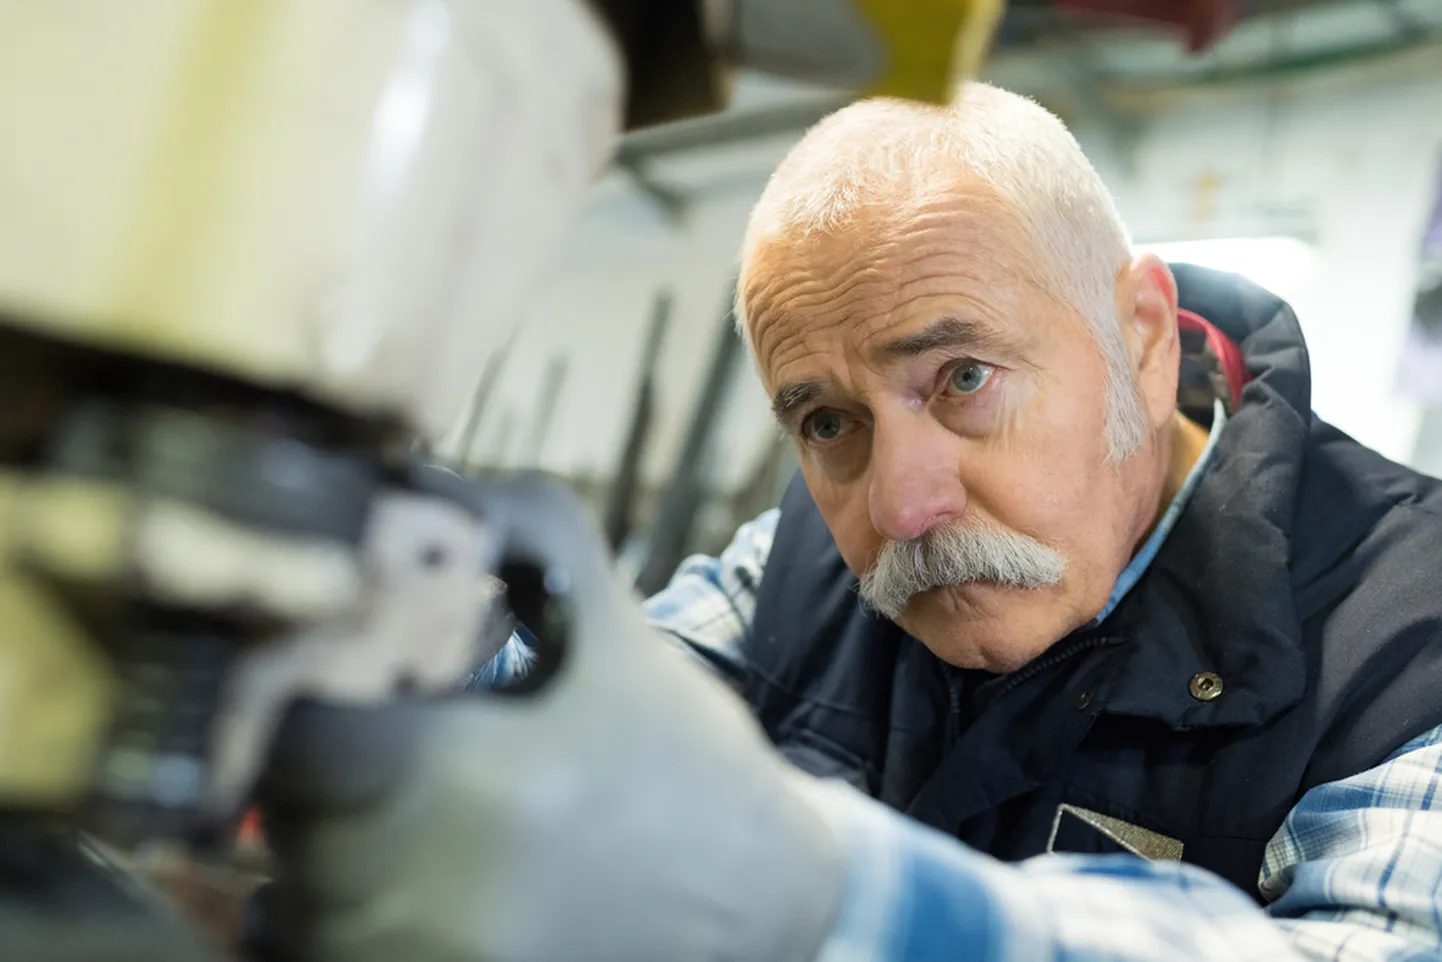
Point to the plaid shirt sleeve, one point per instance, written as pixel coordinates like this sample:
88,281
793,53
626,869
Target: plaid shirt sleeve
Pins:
710,602
1353,875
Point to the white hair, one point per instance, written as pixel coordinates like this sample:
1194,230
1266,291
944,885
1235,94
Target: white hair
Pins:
862,154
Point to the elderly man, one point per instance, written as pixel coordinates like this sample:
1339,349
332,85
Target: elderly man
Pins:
1100,643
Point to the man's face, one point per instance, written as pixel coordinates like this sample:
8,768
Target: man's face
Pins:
929,384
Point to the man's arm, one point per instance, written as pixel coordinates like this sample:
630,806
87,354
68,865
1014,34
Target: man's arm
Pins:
708,606
1356,870
1354,874
710,602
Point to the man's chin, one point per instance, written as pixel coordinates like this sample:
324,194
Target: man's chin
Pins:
986,625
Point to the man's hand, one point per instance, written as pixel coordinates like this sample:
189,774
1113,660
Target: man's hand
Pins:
630,809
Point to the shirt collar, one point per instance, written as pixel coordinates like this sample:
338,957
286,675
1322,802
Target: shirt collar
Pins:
1143,558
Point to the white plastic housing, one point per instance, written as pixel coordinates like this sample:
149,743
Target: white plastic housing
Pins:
346,198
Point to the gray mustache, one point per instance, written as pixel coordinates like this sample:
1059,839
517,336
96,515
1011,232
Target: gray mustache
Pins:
957,555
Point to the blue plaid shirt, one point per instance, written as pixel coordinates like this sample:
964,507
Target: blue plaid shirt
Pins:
1353,874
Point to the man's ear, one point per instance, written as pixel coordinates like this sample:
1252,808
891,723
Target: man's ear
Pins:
1147,311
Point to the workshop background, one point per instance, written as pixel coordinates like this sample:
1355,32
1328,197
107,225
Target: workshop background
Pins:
1304,149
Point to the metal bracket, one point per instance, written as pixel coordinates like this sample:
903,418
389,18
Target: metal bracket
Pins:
417,626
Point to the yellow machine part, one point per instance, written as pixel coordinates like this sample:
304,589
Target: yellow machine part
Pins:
55,682
931,44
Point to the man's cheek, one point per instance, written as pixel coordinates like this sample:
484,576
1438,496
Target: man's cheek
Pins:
859,549
1036,490
1001,413
843,508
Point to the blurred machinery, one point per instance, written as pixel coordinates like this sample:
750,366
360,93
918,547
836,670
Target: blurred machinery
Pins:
251,253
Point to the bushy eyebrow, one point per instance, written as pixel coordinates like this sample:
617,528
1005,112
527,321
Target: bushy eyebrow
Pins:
791,399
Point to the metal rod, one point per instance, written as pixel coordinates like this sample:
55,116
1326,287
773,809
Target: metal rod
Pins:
553,382
671,530
621,502
490,374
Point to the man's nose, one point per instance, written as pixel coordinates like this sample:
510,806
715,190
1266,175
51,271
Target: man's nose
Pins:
914,481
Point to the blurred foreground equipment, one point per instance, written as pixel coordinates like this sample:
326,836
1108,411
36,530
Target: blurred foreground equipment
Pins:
254,252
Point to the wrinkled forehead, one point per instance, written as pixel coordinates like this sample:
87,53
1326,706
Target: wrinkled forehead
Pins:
889,266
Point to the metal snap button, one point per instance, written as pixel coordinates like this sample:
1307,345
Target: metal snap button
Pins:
1205,686
1084,701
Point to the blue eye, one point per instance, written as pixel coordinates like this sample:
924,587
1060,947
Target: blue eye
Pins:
970,377
823,426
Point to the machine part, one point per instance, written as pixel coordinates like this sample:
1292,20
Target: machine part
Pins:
154,522
498,450
449,830
676,61
670,530
271,461
83,532
211,893
466,442
622,500
548,393
269,482
1203,21
170,666
679,56
416,628
536,593
877,47
57,695
188,558
497,620
345,201
530,585
74,528
172,593
122,615
829,36
64,899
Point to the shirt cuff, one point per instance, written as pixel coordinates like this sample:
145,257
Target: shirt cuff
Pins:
914,893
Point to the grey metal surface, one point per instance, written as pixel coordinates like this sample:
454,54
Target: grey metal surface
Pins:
621,500
63,902
418,626
687,489
251,469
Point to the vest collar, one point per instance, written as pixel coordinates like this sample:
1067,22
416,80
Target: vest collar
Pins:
1219,596
1142,560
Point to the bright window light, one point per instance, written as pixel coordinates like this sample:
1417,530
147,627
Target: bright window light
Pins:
1285,266
1354,374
